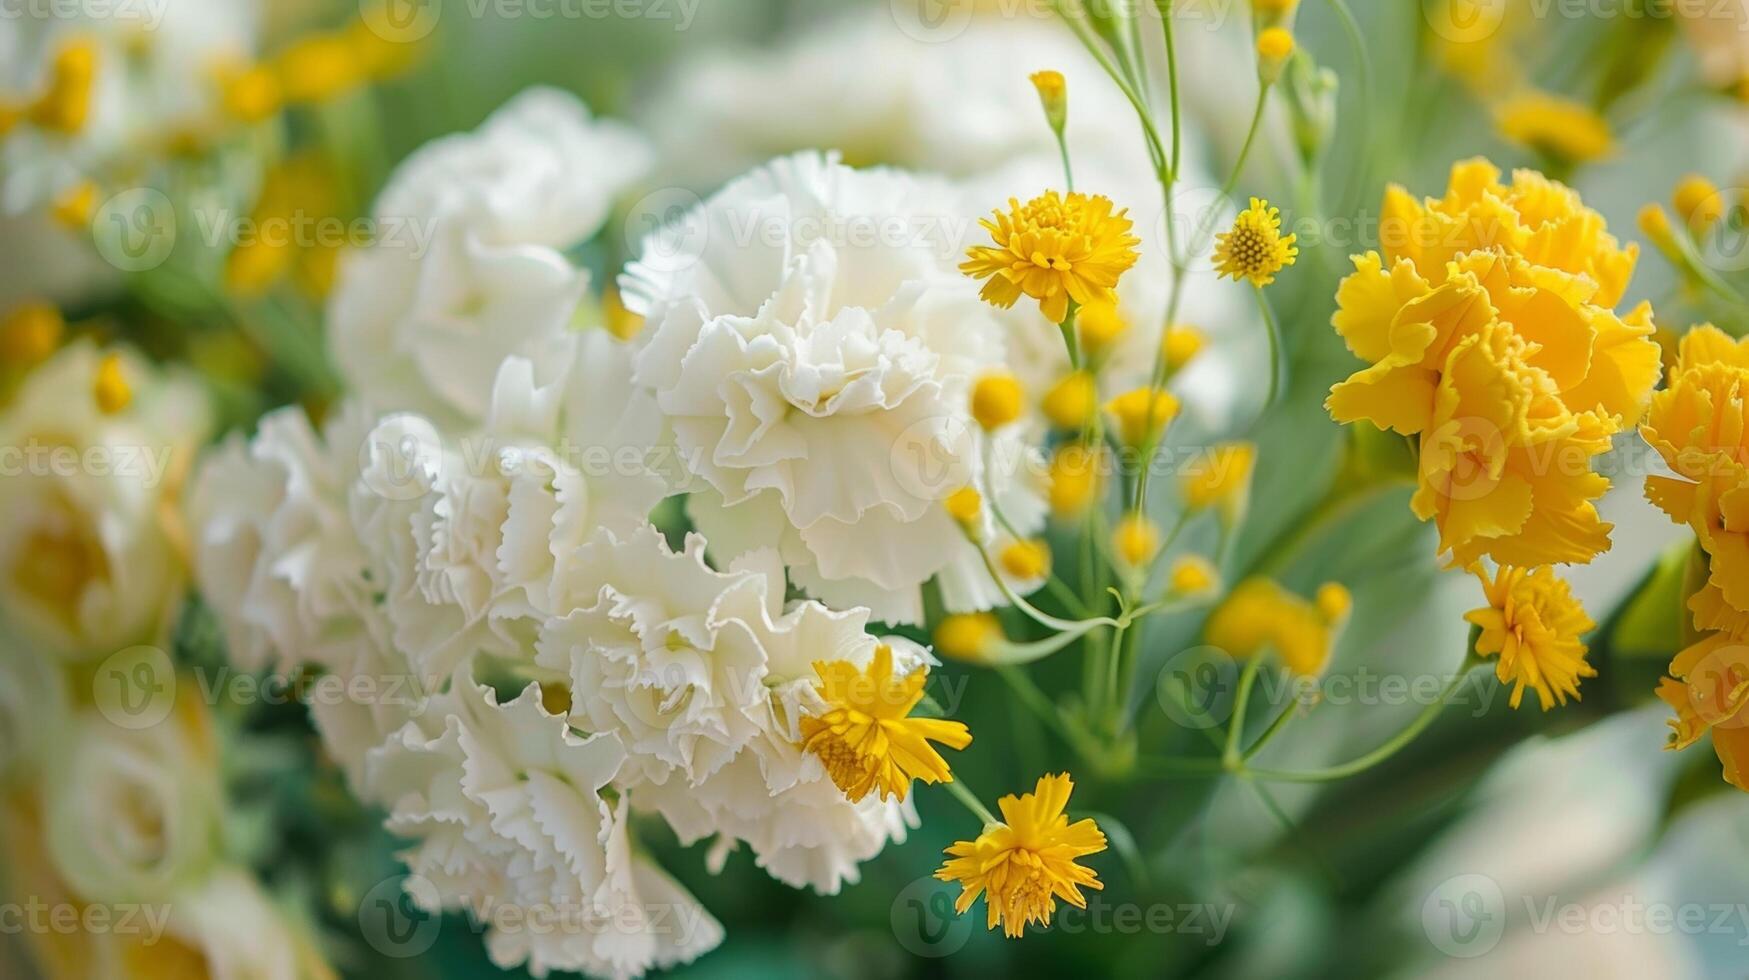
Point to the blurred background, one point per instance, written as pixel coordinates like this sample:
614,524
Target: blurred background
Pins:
1564,844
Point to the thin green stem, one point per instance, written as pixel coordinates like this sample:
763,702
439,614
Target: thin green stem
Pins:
1274,729
967,797
1230,756
1275,359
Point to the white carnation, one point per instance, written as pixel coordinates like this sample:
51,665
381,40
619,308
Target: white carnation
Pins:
470,265
811,344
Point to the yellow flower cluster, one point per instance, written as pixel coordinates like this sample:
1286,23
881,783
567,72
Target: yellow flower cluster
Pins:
1260,615
1489,329
1697,425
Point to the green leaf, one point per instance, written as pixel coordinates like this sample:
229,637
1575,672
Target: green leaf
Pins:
1651,623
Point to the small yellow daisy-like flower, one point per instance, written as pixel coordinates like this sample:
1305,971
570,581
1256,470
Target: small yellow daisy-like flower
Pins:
968,636
1193,575
997,399
1135,540
1533,621
1255,249
1561,128
1100,326
1075,479
1224,478
1141,415
1025,862
1054,248
966,507
1181,345
110,388
1260,615
867,740
1072,401
1026,560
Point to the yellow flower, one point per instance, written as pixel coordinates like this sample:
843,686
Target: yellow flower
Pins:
1255,249
1193,575
1025,862
1181,345
997,399
318,67
1654,223
966,507
1142,414
1260,615
1699,202
1533,622
73,208
1072,401
1224,478
1709,691
1055,248
1274,8
1075,479
1100,326
251,93
968,636
110,387
867,740
66,104
1135,540
30,333
1560,128
1053,94
1698,424
1488,329
1026,560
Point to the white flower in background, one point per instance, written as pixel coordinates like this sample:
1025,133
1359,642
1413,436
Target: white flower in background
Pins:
232,928
34,713
1719,33
704,678
512,811
470,266
132,815
90,548
104,85
811,344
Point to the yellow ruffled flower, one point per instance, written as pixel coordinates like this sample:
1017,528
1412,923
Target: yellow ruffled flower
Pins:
1534,623
1561,128
1515,285
1260,615
1054,248
1027,861
1697,424
1709,690
867,740
1254,248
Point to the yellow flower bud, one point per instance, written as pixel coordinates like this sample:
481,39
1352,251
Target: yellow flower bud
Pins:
1141,415
1100,326
1223,478
1075,479
1274,8
1193,575
968,636
110,388
31,333
1699,203
1334,602
621,322
966,507
1274,47
997,399
1072,402
1135,540
1053,93
1655,225
1026,560
66,104
317,68
1181,345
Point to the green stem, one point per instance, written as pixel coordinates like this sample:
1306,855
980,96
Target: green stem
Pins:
1230,756
1275,727
1273,330
970,800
